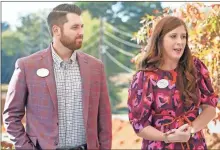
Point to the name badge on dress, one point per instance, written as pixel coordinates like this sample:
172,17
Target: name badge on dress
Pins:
163,83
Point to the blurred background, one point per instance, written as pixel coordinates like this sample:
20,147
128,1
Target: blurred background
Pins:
114,32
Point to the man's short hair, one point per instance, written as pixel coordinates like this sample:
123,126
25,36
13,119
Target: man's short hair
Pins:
58,15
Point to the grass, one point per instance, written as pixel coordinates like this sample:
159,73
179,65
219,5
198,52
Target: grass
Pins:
4,87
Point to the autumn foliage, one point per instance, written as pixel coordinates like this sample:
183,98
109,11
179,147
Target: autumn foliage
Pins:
203,24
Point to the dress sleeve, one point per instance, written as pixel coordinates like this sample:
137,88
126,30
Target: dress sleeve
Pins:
140,98
207,96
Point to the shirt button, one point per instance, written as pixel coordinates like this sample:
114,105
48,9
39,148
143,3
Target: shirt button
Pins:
55,143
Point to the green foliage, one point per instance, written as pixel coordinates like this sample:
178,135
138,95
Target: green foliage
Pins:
5,26
35,31
91,34
32,35
9,37
113,94
125,15
97,9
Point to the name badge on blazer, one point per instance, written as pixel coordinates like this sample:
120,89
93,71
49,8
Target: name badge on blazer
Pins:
42,72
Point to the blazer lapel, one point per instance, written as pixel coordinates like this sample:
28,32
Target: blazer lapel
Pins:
85,75
47,61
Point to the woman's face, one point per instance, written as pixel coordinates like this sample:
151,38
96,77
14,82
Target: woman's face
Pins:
174,43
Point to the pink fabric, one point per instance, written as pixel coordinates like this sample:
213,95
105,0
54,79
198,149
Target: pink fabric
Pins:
146,100
38,95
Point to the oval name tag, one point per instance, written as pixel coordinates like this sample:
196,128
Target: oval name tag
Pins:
42,72
163,83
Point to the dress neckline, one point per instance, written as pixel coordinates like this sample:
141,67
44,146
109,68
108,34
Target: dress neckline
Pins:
172,70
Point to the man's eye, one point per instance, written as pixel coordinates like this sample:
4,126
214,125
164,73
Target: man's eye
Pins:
74,27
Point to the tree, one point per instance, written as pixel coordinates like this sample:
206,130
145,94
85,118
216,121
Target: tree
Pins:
204,29
203,24
31,36
123,14
124,17
36,32
91,34
5,26
10,52
91,46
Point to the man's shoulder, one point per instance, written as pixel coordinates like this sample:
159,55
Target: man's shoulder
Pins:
34,57
90,58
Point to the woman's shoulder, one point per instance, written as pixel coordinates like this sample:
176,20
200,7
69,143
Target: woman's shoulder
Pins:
198,62
200,66
147,73
144,75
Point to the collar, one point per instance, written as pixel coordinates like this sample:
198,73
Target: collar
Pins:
58,60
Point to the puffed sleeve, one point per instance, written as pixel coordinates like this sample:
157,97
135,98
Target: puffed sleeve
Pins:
204,82
140,98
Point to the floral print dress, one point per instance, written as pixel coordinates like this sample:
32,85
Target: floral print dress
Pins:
150,103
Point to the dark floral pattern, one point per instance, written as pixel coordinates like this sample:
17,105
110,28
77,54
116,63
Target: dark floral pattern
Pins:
146,100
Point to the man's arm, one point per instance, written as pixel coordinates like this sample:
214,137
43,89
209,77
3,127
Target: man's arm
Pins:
105,119
14,108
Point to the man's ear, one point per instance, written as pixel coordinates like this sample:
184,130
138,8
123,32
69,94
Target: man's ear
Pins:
56,30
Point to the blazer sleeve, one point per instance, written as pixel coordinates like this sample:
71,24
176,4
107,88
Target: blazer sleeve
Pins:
14,108
104,115
140,99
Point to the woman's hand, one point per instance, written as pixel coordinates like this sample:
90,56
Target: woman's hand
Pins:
182,134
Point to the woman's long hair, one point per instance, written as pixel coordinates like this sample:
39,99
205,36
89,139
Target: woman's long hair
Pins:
153,58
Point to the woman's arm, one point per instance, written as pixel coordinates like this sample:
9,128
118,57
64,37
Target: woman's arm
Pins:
208,113
151,133
175,135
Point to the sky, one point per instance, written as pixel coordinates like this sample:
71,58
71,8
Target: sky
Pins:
12,10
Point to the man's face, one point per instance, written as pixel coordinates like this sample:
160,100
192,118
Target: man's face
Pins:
72,32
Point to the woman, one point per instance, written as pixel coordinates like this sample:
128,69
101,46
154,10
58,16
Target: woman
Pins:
168,90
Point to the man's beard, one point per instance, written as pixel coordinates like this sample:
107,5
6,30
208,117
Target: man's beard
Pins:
71,44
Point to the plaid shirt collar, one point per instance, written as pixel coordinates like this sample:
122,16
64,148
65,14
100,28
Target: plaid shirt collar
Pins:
57,60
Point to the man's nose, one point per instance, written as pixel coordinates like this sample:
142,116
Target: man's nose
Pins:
81,31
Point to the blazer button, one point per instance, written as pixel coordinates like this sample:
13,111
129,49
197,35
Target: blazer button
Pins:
55,143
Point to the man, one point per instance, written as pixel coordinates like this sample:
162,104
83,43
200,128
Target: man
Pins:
63,91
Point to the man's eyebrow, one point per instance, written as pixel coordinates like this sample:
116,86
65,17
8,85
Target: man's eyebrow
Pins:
77,25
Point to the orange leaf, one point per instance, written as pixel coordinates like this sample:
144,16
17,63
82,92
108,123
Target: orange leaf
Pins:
166,10
156,11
